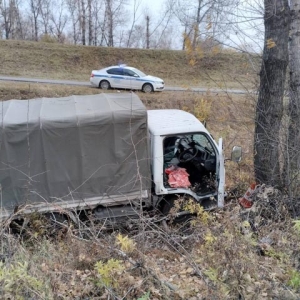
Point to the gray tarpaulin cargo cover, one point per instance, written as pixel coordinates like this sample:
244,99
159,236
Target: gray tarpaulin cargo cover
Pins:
73,150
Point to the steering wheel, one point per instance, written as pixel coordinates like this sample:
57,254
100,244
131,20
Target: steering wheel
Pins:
187,154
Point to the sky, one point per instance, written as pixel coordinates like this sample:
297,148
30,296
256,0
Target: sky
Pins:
153,5
245,33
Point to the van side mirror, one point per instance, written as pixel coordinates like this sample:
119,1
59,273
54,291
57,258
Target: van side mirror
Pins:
236,154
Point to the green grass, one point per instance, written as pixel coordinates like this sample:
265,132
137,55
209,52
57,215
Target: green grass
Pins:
57,61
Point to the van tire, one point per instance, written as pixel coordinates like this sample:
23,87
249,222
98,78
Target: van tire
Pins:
167,208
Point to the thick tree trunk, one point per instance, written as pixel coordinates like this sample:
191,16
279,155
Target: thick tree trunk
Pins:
293,158
269,108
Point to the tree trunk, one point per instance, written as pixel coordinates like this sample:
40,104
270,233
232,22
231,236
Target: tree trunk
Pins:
90,22
83,22
269,109
293,158
110,23
19,30
135,8
196,26
147,32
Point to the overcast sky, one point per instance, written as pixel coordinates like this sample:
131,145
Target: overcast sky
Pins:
153,5
247,32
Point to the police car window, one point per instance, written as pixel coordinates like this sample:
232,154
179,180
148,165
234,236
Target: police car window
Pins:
129,73
115,71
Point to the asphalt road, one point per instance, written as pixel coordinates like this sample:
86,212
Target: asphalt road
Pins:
86,83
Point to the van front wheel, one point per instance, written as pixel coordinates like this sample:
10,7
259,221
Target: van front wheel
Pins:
173,210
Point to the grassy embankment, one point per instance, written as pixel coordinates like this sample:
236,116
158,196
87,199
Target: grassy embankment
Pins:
54,61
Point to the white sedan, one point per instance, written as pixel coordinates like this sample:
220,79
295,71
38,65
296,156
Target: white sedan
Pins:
125,77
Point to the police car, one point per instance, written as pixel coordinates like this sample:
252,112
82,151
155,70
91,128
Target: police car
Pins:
125,77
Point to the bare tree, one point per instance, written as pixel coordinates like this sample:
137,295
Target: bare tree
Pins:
73,8
45,11
138,37
83,21
98,22
35,9
109,14
136,5
115,16
191,14
19,28
59,20
147,32
269,109
6,17
158,28
10,18
163,32
293,158
242,25
90,21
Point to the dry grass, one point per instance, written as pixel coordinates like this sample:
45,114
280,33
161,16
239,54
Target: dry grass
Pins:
56,61
24,91
221,257
229,254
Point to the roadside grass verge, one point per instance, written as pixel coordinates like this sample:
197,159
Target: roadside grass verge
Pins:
223,69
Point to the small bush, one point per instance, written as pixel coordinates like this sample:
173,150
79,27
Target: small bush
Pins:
17,283
46,38
126,244
200,108
294,281
108,272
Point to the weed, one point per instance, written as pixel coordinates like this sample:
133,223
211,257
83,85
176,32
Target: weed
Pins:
17,283
126,244
297,226
201,108
146,296
209,239
195,208
281,256
294,281
212,274
108,272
